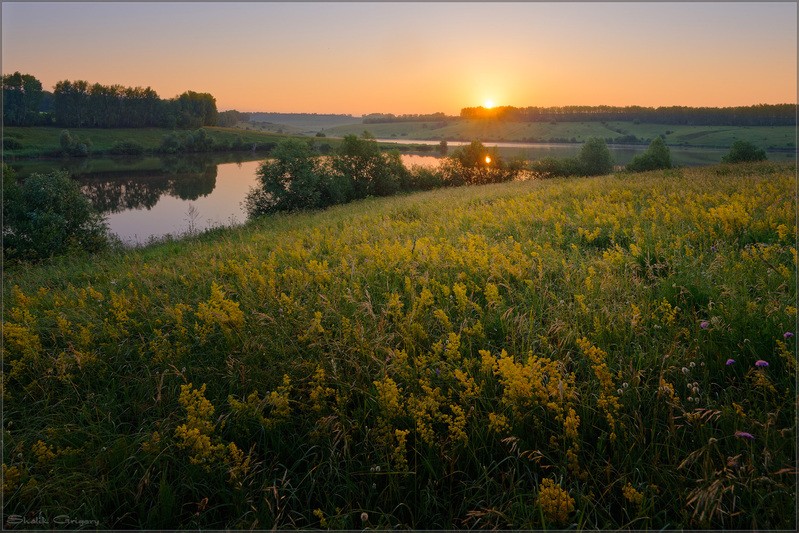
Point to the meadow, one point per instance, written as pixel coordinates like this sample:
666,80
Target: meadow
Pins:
614,352
766,137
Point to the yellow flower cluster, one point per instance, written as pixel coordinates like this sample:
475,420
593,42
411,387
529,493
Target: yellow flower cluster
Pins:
320,394
388,397
730,218
424,408
632,495
666,313
571,424
400,452
11,477
607,401
21,348
538,382
43,452
491,293
197,435
153,444
556,504
218,311
314,328
498,423
253,406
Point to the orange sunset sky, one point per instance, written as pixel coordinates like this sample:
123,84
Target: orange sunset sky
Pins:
415,57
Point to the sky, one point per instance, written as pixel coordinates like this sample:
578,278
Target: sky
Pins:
415,57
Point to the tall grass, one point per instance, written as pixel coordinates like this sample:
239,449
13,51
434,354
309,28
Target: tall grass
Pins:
527,355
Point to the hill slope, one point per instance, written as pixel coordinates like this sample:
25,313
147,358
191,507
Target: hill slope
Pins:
766,137
473,357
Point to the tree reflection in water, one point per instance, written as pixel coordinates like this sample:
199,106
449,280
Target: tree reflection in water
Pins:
116,191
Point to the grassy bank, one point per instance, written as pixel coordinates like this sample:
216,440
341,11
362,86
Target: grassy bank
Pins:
44,141
473,357
772,138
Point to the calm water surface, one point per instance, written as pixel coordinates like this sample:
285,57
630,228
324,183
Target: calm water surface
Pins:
181,210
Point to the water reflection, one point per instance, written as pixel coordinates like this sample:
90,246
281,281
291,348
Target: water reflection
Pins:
110,193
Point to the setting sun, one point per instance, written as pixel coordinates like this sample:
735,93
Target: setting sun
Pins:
488,159
488,104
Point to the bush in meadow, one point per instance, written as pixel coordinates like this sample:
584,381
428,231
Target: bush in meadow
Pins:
743,151
656,157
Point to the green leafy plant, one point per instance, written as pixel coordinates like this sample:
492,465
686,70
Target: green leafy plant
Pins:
46,216
657,156
743,151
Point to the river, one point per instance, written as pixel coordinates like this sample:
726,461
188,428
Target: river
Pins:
151,198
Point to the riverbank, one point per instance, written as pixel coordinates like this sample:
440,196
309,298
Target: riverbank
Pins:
40,142
44,142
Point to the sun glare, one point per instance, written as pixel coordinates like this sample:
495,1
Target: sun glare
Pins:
488,104
488,159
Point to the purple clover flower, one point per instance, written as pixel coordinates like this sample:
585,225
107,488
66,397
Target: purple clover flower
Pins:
704,324
729,362
787,335
761,363
744,435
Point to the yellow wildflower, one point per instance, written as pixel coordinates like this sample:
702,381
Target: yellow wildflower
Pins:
498,423
43,453
555,503
632,495
11,477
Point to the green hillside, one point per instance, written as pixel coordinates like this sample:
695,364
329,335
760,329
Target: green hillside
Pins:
766,137
479,357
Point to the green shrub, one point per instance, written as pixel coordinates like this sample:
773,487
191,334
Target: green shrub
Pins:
292,179
127,147
11,144
743,151
550,167
595,158
48,215
170,144
475,164
73,145
657,156
424,179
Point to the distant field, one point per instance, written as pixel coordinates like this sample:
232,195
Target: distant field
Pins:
302,120
776,137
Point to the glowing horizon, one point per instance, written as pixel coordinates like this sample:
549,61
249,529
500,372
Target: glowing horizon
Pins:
362,58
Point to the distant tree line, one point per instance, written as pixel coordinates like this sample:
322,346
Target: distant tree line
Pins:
79,104
231,118
378,118
22,98
755,115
